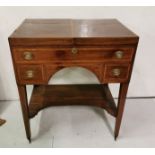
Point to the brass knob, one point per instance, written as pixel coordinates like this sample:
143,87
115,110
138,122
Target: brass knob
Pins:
30,74
116,72
74,50
119,54
28,56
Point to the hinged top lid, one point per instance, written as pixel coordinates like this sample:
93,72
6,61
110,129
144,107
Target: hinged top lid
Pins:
72,32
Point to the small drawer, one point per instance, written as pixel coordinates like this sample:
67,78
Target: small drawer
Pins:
30,74
116,73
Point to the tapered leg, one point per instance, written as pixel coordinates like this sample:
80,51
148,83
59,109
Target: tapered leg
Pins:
120,107
25,109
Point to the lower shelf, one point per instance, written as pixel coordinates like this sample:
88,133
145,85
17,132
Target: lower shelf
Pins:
56,95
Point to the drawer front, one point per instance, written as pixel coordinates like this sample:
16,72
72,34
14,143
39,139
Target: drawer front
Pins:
73,54
30,74
115,73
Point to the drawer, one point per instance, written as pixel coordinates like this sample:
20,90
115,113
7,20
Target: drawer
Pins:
73,54
116,73
30,74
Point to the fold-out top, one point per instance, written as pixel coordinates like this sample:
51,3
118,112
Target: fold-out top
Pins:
72,32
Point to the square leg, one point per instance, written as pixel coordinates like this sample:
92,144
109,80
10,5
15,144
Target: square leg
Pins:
120,107
25,109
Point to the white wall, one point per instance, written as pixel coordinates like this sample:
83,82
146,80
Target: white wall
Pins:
139,19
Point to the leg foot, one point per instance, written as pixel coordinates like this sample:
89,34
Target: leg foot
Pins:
2,121
29,139
115,137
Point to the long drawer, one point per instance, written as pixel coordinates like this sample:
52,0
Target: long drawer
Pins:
36,55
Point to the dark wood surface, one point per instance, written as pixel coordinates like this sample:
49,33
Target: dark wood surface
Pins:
72,32
41,47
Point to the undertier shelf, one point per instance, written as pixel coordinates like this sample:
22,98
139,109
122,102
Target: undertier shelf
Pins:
55,95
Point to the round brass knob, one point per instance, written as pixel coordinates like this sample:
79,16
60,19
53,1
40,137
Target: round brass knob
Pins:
119,54
116,72
28,56
74,50
30,74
